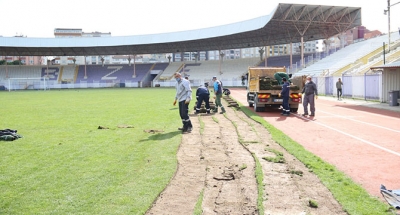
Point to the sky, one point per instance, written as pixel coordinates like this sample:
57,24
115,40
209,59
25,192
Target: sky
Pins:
39,18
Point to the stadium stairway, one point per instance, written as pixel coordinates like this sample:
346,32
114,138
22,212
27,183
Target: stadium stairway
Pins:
67,74
230,69
169,70
60,75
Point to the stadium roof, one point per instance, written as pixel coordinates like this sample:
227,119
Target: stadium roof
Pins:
392,65
287,23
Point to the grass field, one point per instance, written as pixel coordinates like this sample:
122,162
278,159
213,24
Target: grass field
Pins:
64,164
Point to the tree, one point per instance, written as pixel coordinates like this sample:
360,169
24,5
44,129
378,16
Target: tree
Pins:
2,62
17,62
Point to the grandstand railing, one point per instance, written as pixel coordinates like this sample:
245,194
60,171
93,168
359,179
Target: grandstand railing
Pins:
234,82
367,86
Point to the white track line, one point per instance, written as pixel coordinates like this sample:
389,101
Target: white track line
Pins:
370,124
357,138
380,115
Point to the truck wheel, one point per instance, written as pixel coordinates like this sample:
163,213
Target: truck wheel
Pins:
256,108
251,105
293,110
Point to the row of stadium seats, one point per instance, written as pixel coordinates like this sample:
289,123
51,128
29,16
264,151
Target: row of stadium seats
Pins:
394,55
346,56
75,74
229,68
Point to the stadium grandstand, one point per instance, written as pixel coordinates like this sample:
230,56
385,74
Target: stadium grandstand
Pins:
285,25
350,57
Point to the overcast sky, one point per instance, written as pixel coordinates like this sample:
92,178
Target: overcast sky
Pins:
39,18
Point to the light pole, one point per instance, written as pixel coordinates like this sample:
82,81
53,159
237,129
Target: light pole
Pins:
388,13
5,58
134,66
47,69
221,54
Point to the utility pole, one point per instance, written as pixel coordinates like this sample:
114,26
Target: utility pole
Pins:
388,13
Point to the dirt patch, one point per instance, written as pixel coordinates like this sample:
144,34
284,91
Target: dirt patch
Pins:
153,131
125,126
216,159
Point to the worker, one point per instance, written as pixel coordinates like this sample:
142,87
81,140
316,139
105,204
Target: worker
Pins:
285,96
218,95
310,91
279,75
183,95
203,94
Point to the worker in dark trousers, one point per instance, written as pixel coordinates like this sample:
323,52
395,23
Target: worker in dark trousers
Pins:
183,96
310,92
218,95
203,94
285,96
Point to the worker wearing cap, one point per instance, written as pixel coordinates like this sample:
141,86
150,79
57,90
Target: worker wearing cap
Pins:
309,91
203,94
285,96
218,95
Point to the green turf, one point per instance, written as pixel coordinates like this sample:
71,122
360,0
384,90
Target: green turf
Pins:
65,165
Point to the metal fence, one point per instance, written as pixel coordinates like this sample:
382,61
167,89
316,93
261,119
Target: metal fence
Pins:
367,86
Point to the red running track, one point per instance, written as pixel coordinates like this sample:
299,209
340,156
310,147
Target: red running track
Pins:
362,142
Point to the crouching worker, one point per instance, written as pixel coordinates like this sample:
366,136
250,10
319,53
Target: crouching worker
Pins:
183,96
202,94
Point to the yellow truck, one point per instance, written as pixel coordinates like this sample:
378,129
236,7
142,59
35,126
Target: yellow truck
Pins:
263,89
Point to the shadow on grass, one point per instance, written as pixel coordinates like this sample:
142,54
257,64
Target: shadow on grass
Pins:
161,136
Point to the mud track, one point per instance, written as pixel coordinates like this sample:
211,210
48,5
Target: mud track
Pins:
217,162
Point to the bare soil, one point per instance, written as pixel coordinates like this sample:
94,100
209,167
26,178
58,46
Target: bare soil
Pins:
216,159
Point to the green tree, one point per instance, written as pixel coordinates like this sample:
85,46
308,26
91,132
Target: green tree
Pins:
17,62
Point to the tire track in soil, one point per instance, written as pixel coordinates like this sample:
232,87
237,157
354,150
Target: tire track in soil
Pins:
213,161
231,187
216,162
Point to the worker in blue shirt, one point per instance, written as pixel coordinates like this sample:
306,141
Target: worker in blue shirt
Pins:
203,94
218,95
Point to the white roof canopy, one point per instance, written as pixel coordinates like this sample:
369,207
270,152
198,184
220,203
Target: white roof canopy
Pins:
286,24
